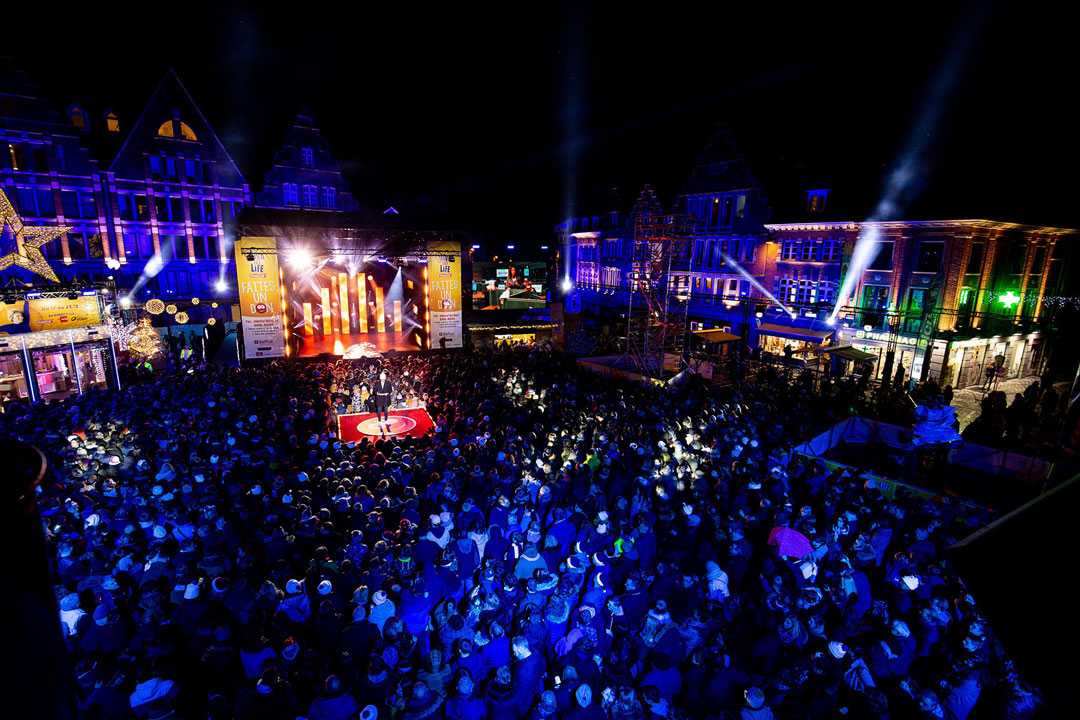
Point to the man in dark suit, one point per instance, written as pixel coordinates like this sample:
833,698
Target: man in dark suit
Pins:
383,392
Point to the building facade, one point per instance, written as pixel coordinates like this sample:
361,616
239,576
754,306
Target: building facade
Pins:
941,299
152,206
305,175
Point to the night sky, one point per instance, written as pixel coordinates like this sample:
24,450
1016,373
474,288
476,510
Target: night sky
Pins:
499,119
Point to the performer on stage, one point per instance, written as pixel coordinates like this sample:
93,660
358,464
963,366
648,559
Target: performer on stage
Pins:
383,392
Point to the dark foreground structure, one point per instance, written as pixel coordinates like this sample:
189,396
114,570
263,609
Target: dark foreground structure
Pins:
555,547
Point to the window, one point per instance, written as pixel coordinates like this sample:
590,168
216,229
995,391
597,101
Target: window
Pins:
740,207
714,215
195,209
931,253
112,122
155,165
874,302
826,292
142,207
209,215
786,289
176,209
311,196
45,202
291,197
76,246
816,200
189,169
138,243
170,167
213,250
307,157
199,241
1038,261
731,288
78,117
329,197
78,204
916,305
95,246
176,128
15,156
883,259
975,260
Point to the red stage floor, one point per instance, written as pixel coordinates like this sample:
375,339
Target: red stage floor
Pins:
353,427
338,344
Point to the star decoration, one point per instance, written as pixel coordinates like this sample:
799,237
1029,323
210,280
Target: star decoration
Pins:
28,242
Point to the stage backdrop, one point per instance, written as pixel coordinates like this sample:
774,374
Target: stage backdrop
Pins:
444,293
260,298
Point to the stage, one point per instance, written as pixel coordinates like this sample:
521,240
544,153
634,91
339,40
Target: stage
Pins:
414,422
379,342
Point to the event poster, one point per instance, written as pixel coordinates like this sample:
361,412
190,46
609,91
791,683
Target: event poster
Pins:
63,313
260,297
444,293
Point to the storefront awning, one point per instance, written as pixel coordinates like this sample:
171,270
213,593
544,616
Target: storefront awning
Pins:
794,333
850,353
716,336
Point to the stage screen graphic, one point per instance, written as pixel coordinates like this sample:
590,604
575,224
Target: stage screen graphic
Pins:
258,282
364,297
509,285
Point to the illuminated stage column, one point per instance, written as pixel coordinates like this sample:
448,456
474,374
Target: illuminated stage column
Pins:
327,313
380,310
354,314
361,301
343,302
309,320
397,316
334,324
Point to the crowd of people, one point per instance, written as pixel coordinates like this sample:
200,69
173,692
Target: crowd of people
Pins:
558,546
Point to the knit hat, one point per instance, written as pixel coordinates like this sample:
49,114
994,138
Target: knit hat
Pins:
755,698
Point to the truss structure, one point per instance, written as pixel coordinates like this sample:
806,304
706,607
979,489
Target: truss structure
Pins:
655,324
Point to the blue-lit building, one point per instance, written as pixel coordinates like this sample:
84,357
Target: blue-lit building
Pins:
942,298
151,204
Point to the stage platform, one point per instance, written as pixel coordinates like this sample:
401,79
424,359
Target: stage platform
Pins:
339,345
354,427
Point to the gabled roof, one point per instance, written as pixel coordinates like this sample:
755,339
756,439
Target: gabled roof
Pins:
170,95
720,166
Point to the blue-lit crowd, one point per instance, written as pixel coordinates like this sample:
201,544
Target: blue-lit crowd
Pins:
560,546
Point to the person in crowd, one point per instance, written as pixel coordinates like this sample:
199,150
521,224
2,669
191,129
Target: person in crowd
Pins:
553,547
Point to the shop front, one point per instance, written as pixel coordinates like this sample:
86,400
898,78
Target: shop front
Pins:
1010,356
60,347
797,342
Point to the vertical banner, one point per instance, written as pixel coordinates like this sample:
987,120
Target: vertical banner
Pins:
260,298
444,293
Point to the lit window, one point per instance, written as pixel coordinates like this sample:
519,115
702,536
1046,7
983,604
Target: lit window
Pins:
166,129
311,196
291,195
307,156
78,117
329,197
112,123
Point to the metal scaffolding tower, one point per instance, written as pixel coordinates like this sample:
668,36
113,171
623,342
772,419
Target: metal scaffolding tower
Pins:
653,325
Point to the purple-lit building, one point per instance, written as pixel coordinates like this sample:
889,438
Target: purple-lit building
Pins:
305,175
151,200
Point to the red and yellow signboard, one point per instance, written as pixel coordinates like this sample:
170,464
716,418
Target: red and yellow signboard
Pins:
260,297
443,294
62,313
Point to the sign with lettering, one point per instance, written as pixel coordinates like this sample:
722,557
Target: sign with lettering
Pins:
260,297
444,294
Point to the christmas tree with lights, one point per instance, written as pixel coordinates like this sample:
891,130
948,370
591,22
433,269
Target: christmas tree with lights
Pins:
144,343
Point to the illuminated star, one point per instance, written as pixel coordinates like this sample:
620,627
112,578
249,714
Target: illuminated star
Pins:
28,242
